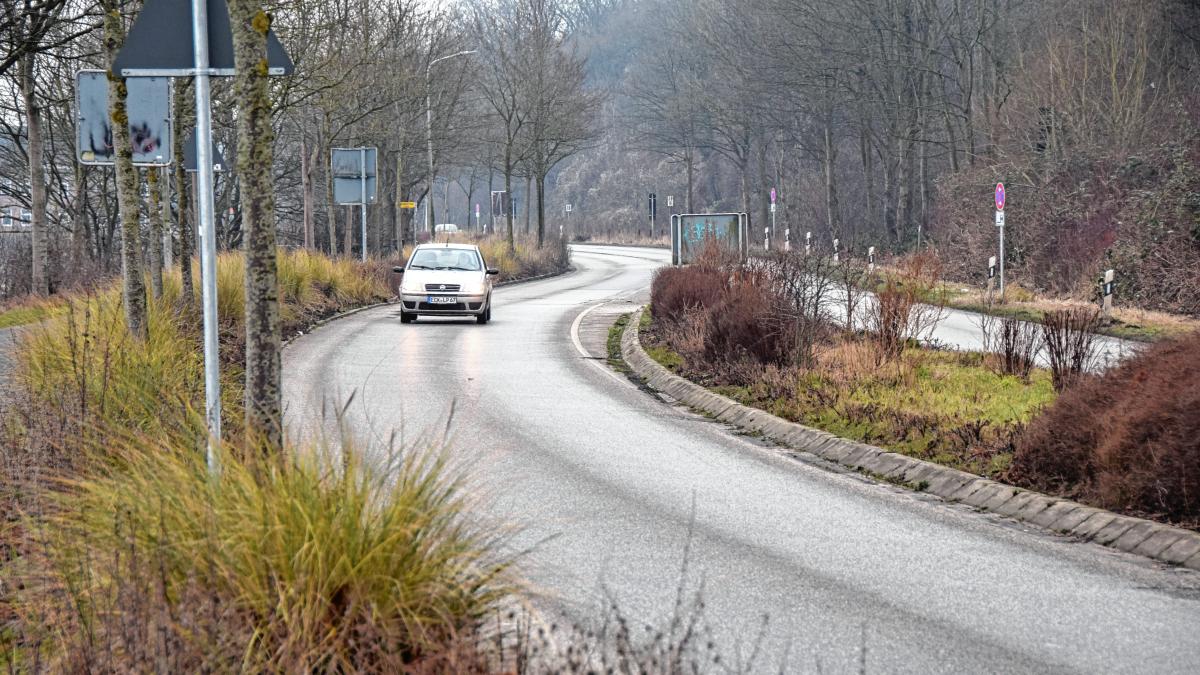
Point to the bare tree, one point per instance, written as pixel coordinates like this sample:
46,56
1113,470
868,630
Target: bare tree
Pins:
264,403
129,202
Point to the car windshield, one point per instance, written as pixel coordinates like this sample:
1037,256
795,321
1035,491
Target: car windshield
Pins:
465,260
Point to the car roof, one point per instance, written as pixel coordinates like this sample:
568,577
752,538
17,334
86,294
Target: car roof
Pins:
460,247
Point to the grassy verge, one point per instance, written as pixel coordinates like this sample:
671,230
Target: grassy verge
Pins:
947,407
29,312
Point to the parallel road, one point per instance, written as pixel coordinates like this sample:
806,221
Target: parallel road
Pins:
612,486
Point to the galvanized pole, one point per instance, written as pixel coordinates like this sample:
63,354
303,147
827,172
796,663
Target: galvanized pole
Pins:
1002,261
429,141
362,184
208,234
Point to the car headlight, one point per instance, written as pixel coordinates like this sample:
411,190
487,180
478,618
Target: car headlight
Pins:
410,288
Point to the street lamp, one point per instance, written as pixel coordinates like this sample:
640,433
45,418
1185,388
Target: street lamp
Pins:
429,128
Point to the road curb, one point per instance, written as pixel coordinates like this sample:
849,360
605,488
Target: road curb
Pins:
356,310
1160,542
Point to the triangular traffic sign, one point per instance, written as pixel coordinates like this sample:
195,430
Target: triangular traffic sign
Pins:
189,155
160,43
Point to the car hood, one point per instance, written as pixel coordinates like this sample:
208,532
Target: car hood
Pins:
417,279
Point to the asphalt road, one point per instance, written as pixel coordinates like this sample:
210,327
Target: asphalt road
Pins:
613,488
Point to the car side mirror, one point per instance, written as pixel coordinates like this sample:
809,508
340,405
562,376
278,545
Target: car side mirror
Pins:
492,271
398,269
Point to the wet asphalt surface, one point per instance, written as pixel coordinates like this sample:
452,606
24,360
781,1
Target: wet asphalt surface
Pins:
623,497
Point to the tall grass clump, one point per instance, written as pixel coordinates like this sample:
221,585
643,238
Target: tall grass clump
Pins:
334,564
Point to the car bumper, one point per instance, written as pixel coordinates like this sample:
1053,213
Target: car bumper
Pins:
467,305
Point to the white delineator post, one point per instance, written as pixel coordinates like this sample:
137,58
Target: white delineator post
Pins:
836,253
787,239
1109,277
871,259
807,243
208,234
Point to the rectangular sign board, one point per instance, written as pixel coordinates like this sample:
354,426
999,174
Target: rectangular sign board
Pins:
690,232
348,169
500,203
149,106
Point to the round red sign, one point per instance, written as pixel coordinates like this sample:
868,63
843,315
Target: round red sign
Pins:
999,196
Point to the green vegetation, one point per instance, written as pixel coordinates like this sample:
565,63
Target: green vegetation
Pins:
615,360
948,407
26,314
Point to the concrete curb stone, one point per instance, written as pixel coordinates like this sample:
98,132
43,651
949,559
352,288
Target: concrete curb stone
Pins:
1164,543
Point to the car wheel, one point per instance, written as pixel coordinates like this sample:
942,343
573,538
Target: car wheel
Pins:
405,317
486,316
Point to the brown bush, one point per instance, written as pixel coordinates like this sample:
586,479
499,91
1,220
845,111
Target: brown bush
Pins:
1129,440
908,305
748,321
676,290
1069,338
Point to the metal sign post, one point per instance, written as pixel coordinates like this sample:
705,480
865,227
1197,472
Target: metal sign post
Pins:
1001,198
208,231
363,201
653,212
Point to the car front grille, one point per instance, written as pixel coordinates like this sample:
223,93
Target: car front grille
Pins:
426,307
442,288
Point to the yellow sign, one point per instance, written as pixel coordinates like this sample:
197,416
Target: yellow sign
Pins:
408,205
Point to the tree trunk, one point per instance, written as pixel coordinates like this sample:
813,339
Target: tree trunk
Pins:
306,186
508,216
37,176
689,158
528,201
183,120
264,406
330,207
79,228
833,209
168,248
133,285
154,216
400,198
541,209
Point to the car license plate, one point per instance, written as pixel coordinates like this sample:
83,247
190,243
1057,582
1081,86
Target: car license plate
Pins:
443,300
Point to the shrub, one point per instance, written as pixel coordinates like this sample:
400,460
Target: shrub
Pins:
1014,343
908,305
333,564
748,322
1069,336
1127,440
676,290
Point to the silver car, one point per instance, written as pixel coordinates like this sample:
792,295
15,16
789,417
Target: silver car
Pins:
446,280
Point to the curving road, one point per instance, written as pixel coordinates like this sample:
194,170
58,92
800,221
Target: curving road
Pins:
611,486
